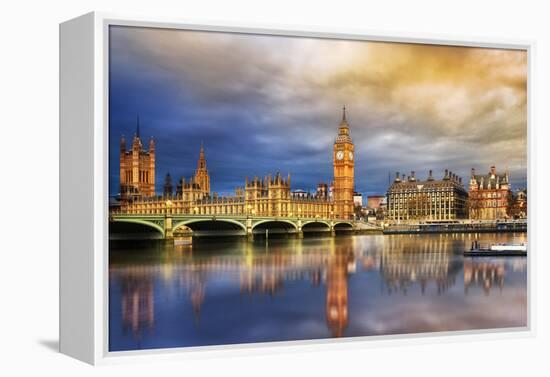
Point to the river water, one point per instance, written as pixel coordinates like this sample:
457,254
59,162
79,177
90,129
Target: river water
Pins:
228,291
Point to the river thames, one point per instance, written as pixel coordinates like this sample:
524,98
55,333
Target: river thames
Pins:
229,291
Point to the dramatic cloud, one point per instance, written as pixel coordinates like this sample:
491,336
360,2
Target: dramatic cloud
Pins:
263,104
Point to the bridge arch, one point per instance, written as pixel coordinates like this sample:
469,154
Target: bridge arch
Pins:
316,222
150,224
207,220
343,225
293,225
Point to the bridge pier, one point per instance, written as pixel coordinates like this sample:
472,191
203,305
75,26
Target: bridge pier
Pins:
168,233
299,233
249,233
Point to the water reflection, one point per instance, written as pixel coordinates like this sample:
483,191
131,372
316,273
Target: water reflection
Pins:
137,301
411,260
338,267
237,291
487,273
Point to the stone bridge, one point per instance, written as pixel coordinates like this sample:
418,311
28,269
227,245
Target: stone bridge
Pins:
223,225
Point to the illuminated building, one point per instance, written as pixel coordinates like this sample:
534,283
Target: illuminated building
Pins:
436,200
137,168
490,197
344,171
270,196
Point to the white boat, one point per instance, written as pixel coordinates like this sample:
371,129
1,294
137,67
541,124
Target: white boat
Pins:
509,247
496,250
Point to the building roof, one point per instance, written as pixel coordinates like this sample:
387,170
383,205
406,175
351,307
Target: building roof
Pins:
489,180
425,185
449,181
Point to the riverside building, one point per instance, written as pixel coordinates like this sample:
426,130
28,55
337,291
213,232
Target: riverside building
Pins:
137,168
412,200
268,196
490,196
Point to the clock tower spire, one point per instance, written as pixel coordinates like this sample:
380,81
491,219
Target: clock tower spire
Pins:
344,170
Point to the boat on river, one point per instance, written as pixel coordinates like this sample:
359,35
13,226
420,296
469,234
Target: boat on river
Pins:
496,250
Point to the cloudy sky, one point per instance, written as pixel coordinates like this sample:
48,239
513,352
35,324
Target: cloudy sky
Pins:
262,104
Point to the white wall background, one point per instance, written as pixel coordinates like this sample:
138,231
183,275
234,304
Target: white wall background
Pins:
29,184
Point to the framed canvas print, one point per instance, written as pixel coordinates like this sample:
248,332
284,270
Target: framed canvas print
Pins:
224,186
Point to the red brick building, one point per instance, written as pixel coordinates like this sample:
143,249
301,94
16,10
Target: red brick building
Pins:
489,196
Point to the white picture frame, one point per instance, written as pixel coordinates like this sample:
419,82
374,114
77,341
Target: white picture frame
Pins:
84,179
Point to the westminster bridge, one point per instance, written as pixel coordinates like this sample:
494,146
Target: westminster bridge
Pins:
165,226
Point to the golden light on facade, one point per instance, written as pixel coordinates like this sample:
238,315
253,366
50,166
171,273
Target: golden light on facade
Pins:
271,196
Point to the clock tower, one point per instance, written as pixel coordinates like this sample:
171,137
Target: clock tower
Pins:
344,162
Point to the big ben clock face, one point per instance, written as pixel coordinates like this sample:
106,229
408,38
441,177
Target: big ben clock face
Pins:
339,155
351,155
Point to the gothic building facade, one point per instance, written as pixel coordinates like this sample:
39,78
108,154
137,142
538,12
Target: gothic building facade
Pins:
490,196
344,171
270,196
198,186
137,169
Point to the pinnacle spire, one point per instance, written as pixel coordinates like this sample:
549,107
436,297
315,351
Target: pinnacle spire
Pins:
137,126
344,121
201,164
343,129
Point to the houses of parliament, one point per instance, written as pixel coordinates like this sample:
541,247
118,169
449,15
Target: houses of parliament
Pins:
267,196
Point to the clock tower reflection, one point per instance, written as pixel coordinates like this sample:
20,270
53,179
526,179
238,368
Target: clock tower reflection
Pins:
337,290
